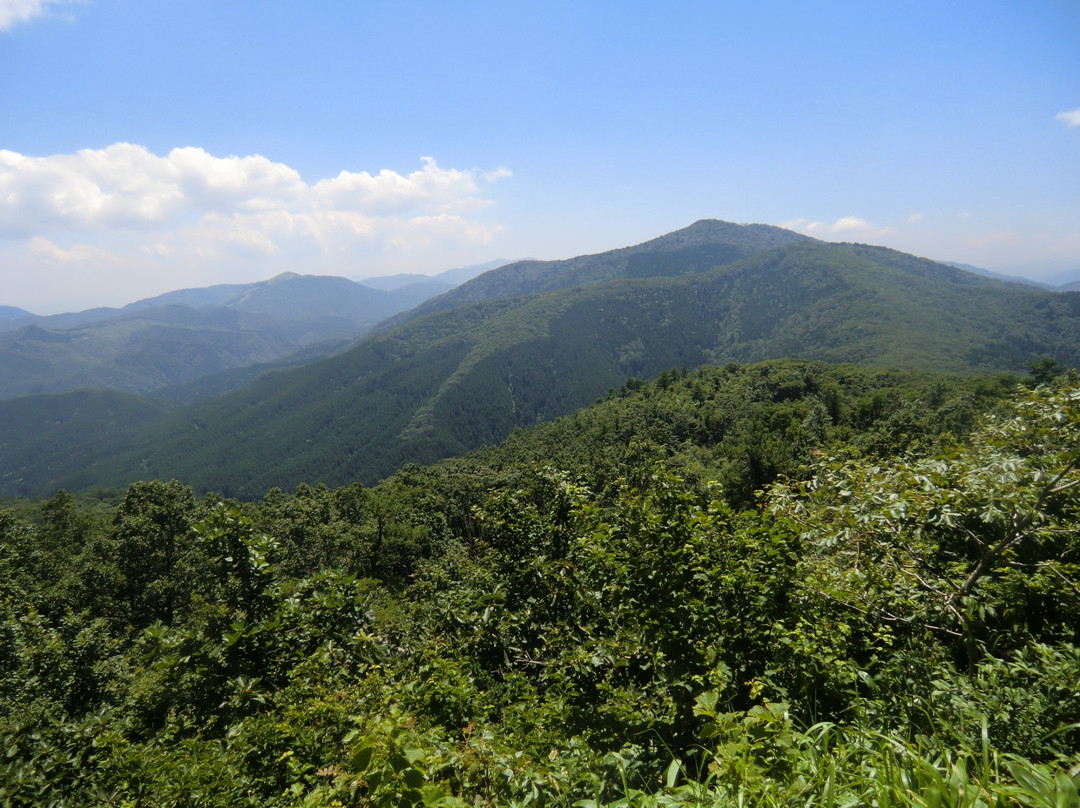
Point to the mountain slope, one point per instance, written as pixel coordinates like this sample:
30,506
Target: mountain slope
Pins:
706,244
467,377
41,433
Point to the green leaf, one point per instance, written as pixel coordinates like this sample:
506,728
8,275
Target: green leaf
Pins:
672,775
361,759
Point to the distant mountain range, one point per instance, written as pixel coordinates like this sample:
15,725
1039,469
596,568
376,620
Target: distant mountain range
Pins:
11,313
176,343
447,280
1065,283
533,340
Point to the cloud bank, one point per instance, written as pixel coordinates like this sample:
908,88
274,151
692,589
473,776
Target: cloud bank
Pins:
124,186
13,12
125,206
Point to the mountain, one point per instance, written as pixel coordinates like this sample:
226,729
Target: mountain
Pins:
467,376
10,313
988,273
137,352
447,279
61,426
217,295
703,245
459,275
392,283
313,298
181,337
68,320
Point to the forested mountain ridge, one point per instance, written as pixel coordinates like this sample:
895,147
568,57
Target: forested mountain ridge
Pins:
706,244
465,377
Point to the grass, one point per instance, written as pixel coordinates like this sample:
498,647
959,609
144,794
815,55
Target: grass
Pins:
829,766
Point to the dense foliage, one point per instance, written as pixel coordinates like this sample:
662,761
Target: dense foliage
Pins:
599,610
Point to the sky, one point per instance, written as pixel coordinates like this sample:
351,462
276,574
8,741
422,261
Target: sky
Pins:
152,145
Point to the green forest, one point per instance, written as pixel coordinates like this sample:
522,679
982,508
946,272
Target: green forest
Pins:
779,584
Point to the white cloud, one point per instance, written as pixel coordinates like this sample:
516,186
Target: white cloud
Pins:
76,254
914,217
1070,118
125,186
389,192
231,183
804,224
224,219
850,223
13,12
846,224
500,173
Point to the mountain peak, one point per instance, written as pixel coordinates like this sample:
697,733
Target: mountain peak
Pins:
14,313
704,245
750,237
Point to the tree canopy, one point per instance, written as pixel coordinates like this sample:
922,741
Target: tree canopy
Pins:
798,584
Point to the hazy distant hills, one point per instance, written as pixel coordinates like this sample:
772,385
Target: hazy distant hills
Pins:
999,276
443,281
136,352
181,337
1065,282
466,376
8,313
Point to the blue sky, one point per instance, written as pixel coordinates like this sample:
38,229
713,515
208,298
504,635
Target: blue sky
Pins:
159,144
